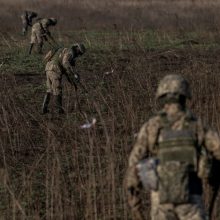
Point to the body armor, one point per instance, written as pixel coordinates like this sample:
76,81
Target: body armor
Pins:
178,145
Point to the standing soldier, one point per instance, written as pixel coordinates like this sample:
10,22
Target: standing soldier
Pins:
40,32
59,63
27,18
181,145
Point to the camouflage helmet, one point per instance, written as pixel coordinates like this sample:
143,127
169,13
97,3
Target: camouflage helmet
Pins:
81,47
173,84
53,21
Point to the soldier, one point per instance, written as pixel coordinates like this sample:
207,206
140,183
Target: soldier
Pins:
181,143
59,63
27,18
40,32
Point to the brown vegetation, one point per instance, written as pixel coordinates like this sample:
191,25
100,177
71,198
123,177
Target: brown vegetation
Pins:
152,14
52,169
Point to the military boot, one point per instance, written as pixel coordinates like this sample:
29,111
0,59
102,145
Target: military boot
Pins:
30,49
58,100
46,103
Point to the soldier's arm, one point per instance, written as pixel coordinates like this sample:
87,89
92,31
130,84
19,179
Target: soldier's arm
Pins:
68,65
137,154
133,183
146,141
140,148
212,143
44,24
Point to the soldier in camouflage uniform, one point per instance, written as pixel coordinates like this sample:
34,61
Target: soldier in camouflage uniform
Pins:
59,63
27,18
40,32
178,140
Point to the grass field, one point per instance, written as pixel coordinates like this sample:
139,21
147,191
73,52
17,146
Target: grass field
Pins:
52,169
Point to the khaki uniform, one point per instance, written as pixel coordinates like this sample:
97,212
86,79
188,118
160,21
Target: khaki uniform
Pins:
149,137
39,31
61,63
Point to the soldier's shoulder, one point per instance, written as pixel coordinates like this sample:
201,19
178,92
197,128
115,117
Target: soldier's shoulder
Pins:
154,122
156,119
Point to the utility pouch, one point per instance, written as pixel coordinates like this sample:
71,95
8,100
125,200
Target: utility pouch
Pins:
174,182
147,172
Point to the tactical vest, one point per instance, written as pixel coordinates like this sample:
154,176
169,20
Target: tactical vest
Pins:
178,157
178,145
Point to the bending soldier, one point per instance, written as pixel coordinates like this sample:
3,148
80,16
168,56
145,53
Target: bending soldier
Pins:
40,32
26,19
180,143
60,62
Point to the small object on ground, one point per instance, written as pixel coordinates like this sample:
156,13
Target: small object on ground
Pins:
108,72
88,124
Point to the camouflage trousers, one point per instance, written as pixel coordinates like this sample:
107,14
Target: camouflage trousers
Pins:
190,211
36,37
54,83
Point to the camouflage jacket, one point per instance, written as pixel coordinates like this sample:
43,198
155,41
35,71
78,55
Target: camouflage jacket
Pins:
42,26
149,136
61,61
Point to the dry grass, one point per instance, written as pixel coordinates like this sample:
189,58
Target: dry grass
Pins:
55,170
136,14
52,168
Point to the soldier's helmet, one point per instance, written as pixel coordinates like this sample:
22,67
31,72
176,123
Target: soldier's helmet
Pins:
53,21
173,84
80,47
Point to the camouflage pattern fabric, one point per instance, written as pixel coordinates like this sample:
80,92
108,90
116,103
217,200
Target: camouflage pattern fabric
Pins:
59,64
174,84
53,83
147,142
191,211
40,30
